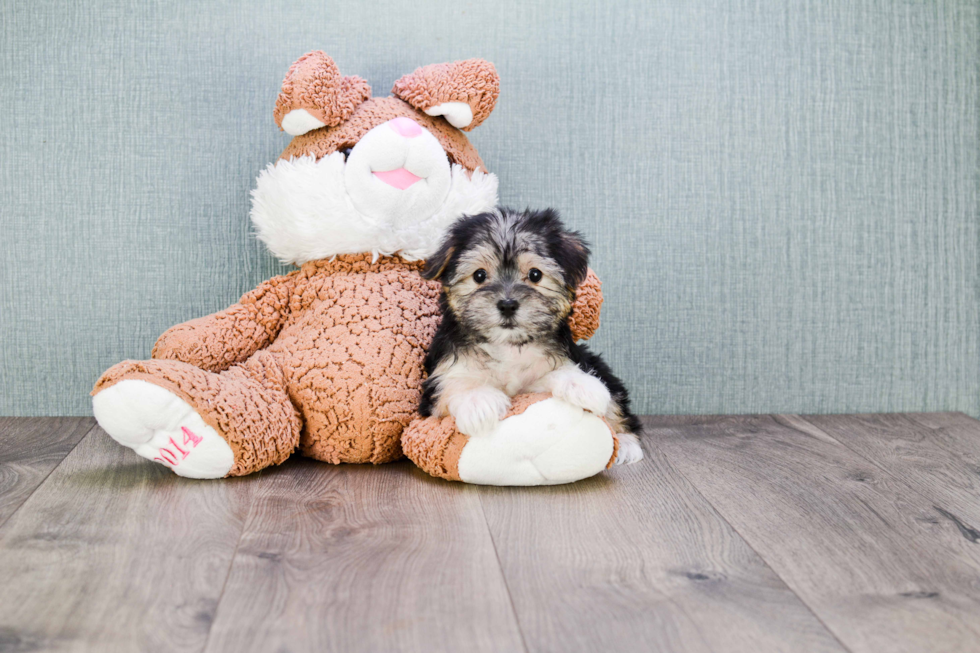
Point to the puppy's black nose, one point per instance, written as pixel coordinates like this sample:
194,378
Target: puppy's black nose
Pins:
508,307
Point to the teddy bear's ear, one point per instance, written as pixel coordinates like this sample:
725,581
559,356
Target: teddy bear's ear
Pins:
315,94
465,92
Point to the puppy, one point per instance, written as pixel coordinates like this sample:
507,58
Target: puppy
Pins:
509,281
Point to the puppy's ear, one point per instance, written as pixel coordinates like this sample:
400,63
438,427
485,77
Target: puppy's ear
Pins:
572,254
567,248
435,265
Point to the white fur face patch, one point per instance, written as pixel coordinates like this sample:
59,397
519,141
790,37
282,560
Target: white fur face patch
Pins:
306,209
391,148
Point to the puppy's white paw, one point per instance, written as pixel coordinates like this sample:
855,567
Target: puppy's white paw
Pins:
629,451
478,411
580,389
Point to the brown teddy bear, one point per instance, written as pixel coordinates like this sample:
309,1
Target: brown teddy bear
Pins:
328,358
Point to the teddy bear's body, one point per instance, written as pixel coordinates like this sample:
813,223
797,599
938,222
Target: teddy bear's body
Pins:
328,359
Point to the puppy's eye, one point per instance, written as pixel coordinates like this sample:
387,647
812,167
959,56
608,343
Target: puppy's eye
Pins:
534,275
480,275
346,152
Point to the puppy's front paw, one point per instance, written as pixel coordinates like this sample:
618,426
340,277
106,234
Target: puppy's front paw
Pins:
629,451
582,390
478,411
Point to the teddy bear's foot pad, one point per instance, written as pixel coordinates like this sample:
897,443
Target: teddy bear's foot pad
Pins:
551,442
160,426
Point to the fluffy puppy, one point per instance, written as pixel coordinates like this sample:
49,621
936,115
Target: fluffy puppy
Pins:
509,281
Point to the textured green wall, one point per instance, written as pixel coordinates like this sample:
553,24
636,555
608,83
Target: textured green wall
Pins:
783,197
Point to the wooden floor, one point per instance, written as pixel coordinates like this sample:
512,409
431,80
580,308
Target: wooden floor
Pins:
766,533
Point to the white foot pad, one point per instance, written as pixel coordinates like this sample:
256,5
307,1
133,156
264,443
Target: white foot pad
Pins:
160,426
551,442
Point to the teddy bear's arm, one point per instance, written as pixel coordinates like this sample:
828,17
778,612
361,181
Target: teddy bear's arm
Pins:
585,311
218,341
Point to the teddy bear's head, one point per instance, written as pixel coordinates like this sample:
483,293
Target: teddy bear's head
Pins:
385,175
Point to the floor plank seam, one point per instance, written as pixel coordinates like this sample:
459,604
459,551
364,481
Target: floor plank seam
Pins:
753,548
48,475
231,566
503,577
967,531
908,487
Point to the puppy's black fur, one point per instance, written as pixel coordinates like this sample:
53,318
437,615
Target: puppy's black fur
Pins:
508,234
566,247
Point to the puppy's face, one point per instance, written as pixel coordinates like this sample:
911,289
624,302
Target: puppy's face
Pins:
510,277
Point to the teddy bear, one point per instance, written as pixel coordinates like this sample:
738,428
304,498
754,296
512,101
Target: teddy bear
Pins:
328,359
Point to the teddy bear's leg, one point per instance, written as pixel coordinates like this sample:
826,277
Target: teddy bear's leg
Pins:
541,441
200,424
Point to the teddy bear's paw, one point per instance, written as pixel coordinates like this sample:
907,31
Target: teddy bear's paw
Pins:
160,426
629,450
478,411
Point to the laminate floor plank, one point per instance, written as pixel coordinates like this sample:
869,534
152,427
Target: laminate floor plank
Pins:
115,553
940,458
859,546
30,447
636,560
777,533
364,558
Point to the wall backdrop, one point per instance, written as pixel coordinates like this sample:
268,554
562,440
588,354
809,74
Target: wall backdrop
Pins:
782,196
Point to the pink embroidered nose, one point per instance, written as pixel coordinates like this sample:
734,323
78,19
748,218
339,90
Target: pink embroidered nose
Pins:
400,178
406,127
